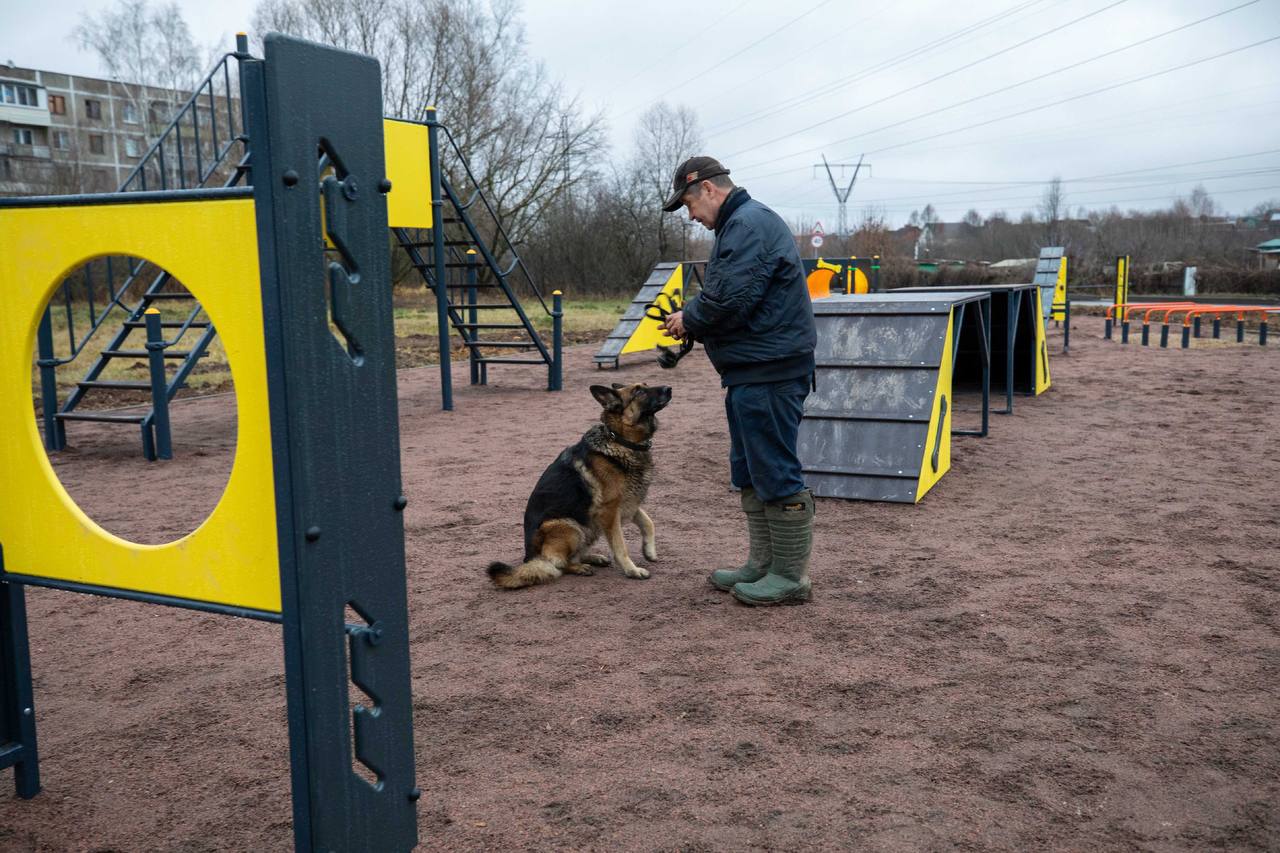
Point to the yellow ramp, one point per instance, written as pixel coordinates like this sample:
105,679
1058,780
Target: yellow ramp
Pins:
637,332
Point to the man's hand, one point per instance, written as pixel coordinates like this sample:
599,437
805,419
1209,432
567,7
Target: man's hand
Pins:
674,325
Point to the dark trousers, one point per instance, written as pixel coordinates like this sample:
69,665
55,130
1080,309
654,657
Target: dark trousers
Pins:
764,420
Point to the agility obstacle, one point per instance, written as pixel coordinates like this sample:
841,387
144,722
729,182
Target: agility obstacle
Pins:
640,330
879,424
1017,337
1192,312
309,532
854,275
425,201
1051,278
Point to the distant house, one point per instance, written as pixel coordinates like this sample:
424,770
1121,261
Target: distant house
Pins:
1268,254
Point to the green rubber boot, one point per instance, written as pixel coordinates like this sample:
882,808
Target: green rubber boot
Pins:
760,555
791,535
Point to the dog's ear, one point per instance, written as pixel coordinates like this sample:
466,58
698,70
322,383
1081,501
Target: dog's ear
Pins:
606,397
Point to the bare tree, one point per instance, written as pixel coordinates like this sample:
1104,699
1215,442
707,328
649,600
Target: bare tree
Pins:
528,142
664,137
1053,207
150,51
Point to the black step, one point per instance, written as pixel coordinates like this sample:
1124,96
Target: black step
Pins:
100,416
141,353
119,385
511,361
484,325
487,305
168,324
528,343
153,296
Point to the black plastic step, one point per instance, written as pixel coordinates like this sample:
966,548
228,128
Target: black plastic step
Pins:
484,325
512,361
100,416
118,384
488,305
168,324
141,353
501,343
154,296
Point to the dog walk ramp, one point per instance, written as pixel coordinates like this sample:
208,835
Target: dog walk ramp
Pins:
878,426
637,332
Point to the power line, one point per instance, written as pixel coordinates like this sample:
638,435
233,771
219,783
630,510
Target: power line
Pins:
705,71
1029,80
709,28
827,89
1090,93
931,80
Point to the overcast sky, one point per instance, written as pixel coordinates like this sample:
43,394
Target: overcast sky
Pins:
777,85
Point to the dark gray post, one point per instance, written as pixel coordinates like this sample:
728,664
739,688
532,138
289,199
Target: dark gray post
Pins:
1262,331
1239,328
1196,329
1106,329
1217,327
557,342
54,437
17,702
473,315
1066,326
159,384
335,445
1186,334
1124,332
438,254
875,274
1164,334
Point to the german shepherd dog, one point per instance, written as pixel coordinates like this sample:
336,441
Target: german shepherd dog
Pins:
591,489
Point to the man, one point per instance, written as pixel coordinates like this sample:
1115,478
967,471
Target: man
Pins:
754,318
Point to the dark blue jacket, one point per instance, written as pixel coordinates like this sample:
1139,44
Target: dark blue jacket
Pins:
753,314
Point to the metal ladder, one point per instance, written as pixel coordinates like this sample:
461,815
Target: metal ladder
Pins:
213,128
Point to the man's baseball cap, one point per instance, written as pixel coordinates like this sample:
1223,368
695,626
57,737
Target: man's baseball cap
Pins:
688,173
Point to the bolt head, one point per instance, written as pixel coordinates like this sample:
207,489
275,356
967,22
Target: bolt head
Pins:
290,178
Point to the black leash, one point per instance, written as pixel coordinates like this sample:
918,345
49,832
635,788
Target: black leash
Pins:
662,307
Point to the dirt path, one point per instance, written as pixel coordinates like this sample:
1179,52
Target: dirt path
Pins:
1073,642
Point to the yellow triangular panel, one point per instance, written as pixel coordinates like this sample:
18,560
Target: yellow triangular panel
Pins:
1042,348
648,335
939,435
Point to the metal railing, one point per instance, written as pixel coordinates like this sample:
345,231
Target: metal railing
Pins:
196,147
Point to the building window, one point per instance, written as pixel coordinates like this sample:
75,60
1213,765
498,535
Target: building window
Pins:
93,109
58,105
15,93
130,113
97,143
61,139
23,136
131,147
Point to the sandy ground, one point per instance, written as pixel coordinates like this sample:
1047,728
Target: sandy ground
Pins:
1073,642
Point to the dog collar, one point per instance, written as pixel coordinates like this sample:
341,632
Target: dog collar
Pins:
641,446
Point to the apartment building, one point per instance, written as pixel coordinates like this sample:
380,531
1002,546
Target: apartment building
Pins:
61,133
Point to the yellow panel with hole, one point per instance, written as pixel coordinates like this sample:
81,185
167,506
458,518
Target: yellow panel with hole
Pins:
408,157
1042,348
649,333
212,248
938,438
1060,292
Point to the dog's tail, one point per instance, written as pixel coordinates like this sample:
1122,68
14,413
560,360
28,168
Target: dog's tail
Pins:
529,573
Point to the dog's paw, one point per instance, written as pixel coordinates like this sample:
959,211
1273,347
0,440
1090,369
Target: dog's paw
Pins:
651,552
637,573
597,560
